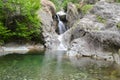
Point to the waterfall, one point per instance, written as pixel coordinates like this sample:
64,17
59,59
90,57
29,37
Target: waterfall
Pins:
61,44
61,25
62,29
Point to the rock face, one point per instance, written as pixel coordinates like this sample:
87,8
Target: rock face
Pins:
72,14
49,7
96,34
46,16
90,1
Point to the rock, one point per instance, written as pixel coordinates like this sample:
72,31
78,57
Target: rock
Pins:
91,37
108,11
62,15
48,28
49,7
36,48
80,46
72,14
116,58
11,48
1,49
110,1
90,1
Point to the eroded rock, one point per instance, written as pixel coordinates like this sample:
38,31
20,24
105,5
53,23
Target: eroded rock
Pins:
96,34
72,14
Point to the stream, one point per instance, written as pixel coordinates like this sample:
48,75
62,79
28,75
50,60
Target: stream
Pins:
55,65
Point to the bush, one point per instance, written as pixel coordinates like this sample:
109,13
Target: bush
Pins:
86,8
18,20
63,3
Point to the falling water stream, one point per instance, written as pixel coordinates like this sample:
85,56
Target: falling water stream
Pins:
62,29
61,26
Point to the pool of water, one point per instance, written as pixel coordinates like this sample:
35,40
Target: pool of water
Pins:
54,65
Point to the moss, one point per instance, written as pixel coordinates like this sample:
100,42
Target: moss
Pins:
119,51
1,42
86,8
118,25
100,19
118,1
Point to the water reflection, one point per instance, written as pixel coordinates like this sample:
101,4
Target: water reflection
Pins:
52,63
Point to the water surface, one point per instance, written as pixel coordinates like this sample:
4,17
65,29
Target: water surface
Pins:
54,65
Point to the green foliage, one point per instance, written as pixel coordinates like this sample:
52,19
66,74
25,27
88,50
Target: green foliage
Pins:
86,8
100,19
18,20
63,3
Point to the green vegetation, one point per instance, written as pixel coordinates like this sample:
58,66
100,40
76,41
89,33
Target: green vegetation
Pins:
117,0
86,8
100,19
18,20
63,3
118,25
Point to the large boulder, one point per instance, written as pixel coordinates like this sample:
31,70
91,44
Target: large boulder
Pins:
49,7
96,34
107,11
72,14
46,17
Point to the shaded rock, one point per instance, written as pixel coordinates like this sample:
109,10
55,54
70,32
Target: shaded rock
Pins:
48,26
49,7
90,1
72,14
62,15
116,58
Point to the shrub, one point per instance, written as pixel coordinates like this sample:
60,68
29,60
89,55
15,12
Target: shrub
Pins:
63,3
18,19
86,8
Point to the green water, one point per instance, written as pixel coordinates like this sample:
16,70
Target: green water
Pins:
55,66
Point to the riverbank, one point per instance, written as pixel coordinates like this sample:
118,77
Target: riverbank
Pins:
20,49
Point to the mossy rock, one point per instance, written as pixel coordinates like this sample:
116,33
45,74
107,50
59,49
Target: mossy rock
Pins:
86,8
100,19
118,25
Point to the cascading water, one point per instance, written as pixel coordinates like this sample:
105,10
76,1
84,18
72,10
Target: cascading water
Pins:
62,29
61,26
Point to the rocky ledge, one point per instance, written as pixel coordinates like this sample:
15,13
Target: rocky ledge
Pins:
20,49
97,34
